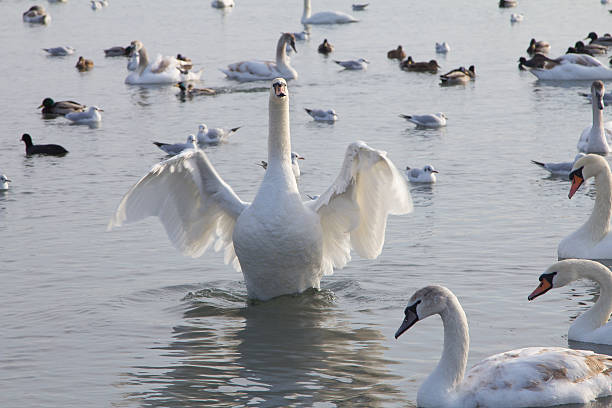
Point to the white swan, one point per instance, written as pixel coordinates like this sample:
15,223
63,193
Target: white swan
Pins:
325,17
91,115
594,138
527,377
164,70
592,326
425,175
256,70
4,182
214,135
281,244
592,240
176,148
571,67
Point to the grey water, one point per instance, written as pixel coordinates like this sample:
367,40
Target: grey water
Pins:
120,318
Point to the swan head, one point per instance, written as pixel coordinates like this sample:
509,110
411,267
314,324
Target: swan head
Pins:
425,302
562,273
584,168
290,39
597,92
279,89
430,169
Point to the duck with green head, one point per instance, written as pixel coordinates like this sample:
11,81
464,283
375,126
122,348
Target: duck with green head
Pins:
50,107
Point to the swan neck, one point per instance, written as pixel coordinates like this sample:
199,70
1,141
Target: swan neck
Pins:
281,52
144,60
279,141
598,223
306,13
599,314
597,116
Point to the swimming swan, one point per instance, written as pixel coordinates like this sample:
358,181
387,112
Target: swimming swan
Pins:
281,244
527,377
592,326
594,138
571,67
325,17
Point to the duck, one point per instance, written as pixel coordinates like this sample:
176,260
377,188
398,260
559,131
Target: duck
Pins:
281,244
185,63
543,47
60,51
360,7
325,47
397,53
90,116
596,49
561,169
430,66
580,50
430,120
593,326
595,39
325,17
425,175
36,15
190,90
323,115
572,67
594,138
176,148
50,107
118,51
256,70
592,240
46,149
214,135
354,65
295,166
458,76
164,70
222,3
4,182
526,377
442,48
537,61
507,3
516,17
84,64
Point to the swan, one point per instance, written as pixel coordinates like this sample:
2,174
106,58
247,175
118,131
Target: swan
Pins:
425,175
91,115
433,121
593,325
571,67
281,245
176,148
262,70
527,377
295,165
594,138
214,135
591,241
328,115
4,182
559,169
161,71
325,17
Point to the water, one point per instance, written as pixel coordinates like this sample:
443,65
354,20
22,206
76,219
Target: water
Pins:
95,318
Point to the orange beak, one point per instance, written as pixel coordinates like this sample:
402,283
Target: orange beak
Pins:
544,287
576,183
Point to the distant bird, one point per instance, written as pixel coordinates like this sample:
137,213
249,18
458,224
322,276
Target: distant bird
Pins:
442,48
434,120
190,90
295,167
36,15
605,40
47,149
607,97
562,169
59,51
301,36
325,47
95,5
176,148
538,46
516,17
580,50
322,115
425,175
458,76
361,63
325,17
214,135
397,53
4,182
84,64
507,3
360,7
222,3
184,62
119,51
430,66
50,107
90,116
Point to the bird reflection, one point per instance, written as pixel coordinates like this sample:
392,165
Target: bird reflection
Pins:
291,351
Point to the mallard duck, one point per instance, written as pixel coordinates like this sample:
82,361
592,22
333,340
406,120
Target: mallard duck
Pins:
537,61
50,107
397,53
409,65
325,47
458,76
118,51
592,48
595,39
190,90
538,46
84,64
37,15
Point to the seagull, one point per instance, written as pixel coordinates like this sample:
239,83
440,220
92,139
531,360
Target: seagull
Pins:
426,175
442,48
91,115
361,63
176,148
4,182
434,120
562,169
516,17
60,51
215,135
295,167
46,149
282,245
322,115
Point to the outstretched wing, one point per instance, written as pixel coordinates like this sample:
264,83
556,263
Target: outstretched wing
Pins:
354,210
196,207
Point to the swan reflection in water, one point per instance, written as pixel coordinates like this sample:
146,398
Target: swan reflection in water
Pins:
290,351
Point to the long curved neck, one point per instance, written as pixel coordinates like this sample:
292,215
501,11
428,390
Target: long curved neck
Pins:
598,224
144,60
281,52
306,13
279,141
599,314
449,372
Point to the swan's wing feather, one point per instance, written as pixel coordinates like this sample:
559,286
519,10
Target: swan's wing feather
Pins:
259,68
354,210
196,207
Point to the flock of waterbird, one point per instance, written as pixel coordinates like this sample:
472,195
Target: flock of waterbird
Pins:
284,245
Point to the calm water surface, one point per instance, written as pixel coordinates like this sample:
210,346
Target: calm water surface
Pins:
95,318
